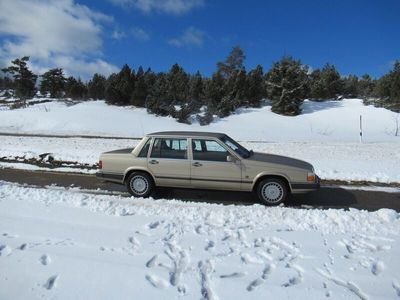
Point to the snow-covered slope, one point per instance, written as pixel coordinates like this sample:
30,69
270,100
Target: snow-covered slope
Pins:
64,244
320,121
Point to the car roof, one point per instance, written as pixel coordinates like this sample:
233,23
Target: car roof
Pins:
188,134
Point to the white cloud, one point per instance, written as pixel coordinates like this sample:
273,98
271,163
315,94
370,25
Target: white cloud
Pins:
140,34
53,31
174,7
190,37
83,67
117,34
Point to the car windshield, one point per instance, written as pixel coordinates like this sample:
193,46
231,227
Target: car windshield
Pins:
235,146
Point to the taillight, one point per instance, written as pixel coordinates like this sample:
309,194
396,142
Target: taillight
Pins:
100,164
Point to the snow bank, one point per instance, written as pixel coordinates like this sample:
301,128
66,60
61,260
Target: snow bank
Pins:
67,244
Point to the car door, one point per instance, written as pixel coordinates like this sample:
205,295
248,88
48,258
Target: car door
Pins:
169,163
210,168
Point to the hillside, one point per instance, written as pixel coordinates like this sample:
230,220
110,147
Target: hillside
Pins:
333,121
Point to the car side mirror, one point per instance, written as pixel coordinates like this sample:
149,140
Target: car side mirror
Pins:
230,158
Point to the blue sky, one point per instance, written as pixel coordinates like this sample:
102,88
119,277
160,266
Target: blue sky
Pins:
87,36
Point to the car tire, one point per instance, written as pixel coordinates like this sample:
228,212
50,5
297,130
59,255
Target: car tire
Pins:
140,184
272,191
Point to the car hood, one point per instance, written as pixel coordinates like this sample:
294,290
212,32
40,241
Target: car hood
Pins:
281,160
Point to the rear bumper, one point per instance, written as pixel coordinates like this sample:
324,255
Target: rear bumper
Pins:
306,187
110,176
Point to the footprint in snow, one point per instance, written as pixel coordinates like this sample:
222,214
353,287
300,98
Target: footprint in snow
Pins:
154,225
297,279
45,260
255,283
135,242
210,244
234,275
157,282
199,229
377,267
51,282
267,270
5,250
396,287
10,236
23,247
248,259
152,262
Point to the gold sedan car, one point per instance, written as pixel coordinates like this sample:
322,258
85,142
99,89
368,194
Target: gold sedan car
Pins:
205,160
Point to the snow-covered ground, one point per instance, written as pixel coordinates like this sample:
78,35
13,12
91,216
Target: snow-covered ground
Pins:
374,162
65,244
320,121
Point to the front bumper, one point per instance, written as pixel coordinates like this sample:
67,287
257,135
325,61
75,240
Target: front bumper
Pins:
307,186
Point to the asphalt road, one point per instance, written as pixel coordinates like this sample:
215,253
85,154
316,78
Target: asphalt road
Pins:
325,197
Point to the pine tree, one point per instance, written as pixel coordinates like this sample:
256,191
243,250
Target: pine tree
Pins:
160,88
138,97
111,93
239,89
119,87
350,86
157,102
332,81
233,63
125,84
53,82
287,85
256,87
395,83
97,86
75,89
149,79
6,83
383,87
177,84
388,88
326,83
24,79
366,86
214,91
196,88
317,87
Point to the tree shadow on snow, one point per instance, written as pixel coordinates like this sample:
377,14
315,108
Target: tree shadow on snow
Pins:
310,107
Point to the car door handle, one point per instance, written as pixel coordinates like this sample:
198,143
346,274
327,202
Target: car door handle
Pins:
153,162
196,164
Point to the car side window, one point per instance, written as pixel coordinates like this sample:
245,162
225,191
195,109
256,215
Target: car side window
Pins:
208,150
145,149
169,148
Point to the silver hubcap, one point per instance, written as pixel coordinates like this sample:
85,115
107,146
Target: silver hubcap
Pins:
139,184
272,192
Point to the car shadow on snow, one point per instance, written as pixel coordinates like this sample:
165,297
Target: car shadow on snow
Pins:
324,198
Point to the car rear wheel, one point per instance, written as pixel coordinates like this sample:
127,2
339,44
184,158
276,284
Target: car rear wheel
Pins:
272,191
139,184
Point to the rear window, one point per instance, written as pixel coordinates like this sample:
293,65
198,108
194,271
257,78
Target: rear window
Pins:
145,149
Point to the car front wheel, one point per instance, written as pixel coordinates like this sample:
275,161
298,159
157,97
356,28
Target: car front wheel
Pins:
139,184
272,191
